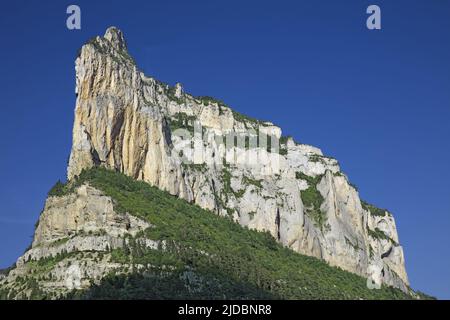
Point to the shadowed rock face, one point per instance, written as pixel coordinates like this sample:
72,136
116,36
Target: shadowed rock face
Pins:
126,121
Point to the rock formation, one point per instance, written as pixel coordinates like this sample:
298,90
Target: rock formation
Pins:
124,120
141,127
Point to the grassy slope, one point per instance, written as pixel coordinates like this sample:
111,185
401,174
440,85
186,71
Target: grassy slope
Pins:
239,263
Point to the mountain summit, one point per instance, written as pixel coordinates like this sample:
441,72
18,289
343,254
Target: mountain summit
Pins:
155,169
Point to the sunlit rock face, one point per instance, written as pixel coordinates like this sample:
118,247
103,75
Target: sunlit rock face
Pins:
150,131
84,227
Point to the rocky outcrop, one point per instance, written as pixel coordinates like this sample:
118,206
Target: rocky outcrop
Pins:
137,125
86,211
72,245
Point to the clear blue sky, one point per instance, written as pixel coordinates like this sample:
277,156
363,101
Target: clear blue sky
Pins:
378,101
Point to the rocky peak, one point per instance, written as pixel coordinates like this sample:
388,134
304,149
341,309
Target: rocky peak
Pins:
116,38
179,90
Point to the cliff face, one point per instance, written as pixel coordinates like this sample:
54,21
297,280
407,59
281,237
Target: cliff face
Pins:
202,151
129,122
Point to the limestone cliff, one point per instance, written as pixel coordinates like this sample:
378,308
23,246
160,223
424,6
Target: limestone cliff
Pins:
179,143
126,121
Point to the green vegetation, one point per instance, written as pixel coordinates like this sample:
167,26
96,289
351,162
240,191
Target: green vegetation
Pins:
205,100
371,253
316,158
424,296
27,286
227,189
283,151
351,244
226,179
31,285
251,214
60,241
374,211
223,259
175,285
171,95
379,234
319,158
182,121
313,199
202,167
58,190
61,189
252,182
283,145
284,139
47,264
202,255
247,120
312,181
239,194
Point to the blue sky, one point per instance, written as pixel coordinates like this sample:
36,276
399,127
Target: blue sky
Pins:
378,101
